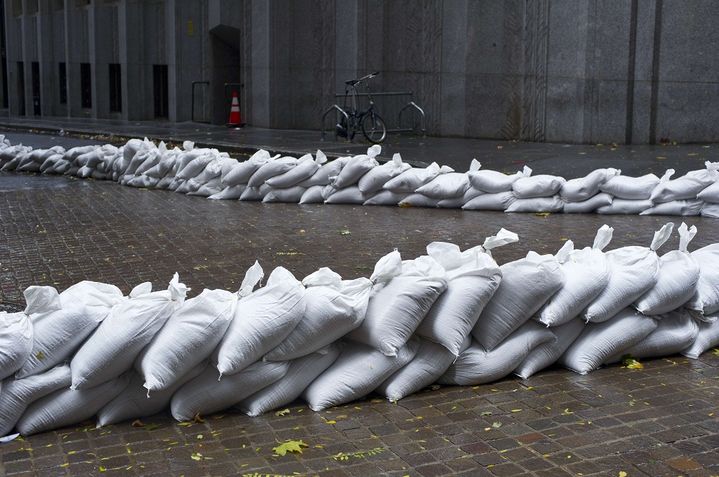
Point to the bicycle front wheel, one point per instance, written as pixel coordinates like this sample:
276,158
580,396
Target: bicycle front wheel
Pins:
373,128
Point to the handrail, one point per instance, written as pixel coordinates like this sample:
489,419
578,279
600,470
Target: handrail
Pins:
380,93
192,113
335,108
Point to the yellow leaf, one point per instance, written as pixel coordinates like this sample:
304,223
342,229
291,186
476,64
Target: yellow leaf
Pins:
496,425
196,456
715,351
289,446
631,363
622,473
102,469
516,410
543,214
283,412
200,437
331,421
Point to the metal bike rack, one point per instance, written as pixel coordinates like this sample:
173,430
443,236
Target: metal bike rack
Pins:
336,109
401,110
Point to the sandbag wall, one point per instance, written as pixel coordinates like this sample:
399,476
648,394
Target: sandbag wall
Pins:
450,317
362,180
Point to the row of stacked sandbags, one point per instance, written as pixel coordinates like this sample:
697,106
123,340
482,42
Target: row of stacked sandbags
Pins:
362,179
448,317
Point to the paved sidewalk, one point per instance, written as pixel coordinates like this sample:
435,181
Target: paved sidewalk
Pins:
661,420
563,159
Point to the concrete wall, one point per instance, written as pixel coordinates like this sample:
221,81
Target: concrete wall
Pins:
583,71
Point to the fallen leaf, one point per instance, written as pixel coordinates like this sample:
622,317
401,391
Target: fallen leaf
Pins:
543,214
102,469
289,446
345,232
283,412
137,423
496,425
196,456
516,410
485,413
631,363
197,419
622,473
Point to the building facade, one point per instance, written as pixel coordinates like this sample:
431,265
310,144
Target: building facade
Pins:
580,71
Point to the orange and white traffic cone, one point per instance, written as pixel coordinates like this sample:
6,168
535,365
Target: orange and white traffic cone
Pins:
235,116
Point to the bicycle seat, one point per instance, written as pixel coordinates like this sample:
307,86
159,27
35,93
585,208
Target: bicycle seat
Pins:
352,82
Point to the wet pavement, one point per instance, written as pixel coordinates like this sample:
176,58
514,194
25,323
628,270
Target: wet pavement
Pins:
660,420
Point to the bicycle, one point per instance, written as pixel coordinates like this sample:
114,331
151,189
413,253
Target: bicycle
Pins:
368,121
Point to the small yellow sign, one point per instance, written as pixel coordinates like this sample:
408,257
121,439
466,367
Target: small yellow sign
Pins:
190,28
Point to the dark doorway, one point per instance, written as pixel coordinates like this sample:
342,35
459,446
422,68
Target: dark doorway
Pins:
159,79
62,78
86,85
36,106
21,88
115,88
225,68
3,56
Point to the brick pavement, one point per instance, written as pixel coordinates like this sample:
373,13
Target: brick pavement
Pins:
660,420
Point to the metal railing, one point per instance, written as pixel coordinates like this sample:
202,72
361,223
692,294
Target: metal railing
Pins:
400,111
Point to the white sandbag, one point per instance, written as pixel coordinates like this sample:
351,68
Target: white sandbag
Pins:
252,194
385,197
204,395
396,309
66,406
84,172
537,204
130,326
18,394
271,169
418,200
491,201
676,281
333,308
305,168
586,273
542,185
582,188
600,341
710,210
213,170
326,173
195,167
630,188
476,365
16,342
214,186
347,195
428,365
262,320
153,159
707,338
625,206
706,299
358,371
240,174
134,403
290,195
50,163
448,186
57,333
414,178
353,171
548,353
229,193
458,202
675,331
632,272
687,186
162,168
313,195
375,178
192,333
526,285
494,182
710,194
143,181
300,373
472,278
587,206
675,207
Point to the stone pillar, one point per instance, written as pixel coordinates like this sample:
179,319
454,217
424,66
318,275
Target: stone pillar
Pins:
453,69
260,61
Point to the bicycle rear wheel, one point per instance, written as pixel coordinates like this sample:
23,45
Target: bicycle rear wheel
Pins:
373,128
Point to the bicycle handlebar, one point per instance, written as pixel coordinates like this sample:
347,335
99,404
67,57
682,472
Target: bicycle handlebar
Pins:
357,81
